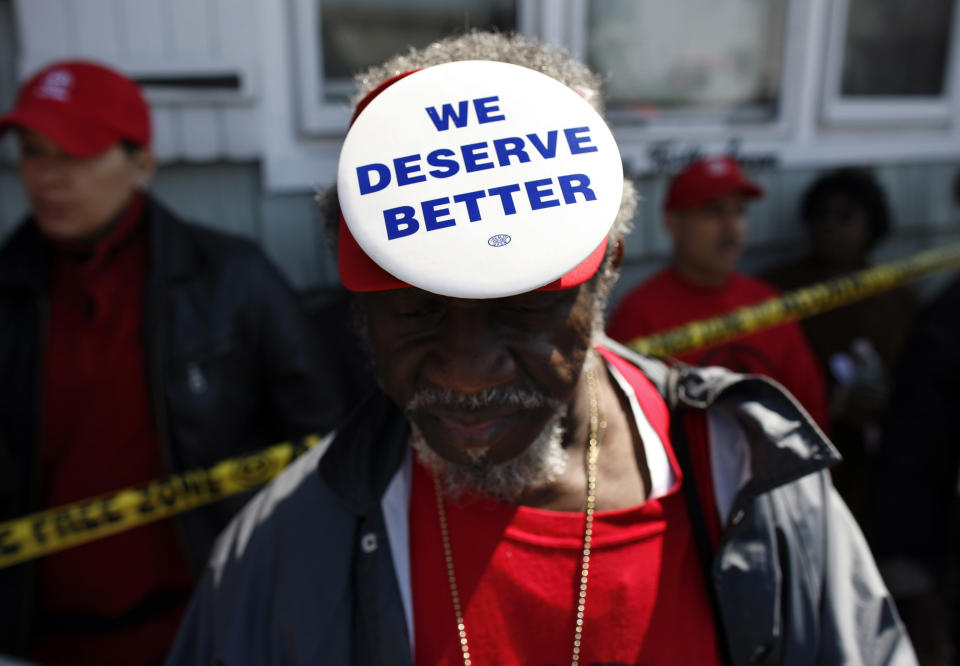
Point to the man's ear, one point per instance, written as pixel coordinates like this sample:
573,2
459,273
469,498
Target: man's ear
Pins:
618,252
671,222
145,166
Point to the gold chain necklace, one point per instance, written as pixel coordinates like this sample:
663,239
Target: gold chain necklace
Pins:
596,423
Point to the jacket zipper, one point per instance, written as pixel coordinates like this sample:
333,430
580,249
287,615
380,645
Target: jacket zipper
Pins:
35,492
153,354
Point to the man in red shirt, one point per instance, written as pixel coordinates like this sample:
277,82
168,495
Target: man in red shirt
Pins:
705,215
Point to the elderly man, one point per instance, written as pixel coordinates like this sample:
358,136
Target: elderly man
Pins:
705,214
521,490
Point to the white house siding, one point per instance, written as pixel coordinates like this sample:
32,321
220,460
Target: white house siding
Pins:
8,75
293,236
173,37
224,196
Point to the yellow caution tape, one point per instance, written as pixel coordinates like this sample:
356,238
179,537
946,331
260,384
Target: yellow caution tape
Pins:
73,524
63,527
796,304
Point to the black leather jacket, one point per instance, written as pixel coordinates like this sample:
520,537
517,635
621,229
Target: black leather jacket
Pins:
230,368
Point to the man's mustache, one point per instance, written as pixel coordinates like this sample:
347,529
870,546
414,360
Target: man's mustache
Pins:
494,397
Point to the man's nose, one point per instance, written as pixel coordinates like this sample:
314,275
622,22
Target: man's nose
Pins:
470,355
48,172
734,222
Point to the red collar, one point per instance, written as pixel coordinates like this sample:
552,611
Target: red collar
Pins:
122,229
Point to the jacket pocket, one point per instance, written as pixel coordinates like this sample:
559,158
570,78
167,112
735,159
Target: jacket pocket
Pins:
214,401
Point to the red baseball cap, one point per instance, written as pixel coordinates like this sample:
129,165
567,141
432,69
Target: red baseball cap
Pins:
707,179
358,272
83,107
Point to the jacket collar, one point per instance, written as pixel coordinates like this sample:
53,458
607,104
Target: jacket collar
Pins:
25,259
172,253
366,452
785,444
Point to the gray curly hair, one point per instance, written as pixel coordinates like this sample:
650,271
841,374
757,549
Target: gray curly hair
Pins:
517,50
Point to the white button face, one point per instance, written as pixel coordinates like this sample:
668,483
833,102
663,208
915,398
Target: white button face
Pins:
479,179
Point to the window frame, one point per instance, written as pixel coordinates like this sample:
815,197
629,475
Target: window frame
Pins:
316,116
839,111
699,127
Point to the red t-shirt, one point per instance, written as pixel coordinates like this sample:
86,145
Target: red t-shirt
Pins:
666,300
517,571
98,435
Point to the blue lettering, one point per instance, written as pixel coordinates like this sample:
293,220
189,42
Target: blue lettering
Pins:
506,197
472,153
442,123
546,151
536,193
575,182
469,199
400,222
432,212
403,168
363,177
576,142
511,145
484,107
436,159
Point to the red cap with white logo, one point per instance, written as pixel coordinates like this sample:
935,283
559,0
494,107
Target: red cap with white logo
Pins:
707,179
83,107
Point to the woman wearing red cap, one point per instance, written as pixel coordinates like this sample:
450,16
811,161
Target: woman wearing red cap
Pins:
133,346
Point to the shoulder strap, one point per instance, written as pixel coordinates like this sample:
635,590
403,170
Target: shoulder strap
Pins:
680,420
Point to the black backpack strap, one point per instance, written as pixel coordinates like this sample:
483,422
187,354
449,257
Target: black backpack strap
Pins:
698,524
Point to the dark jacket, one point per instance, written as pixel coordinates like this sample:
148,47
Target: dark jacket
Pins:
229,360
314,571
916,486
916,490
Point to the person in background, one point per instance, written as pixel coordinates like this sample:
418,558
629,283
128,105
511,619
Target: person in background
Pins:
914,513
132,345
520,489
705,216
845,215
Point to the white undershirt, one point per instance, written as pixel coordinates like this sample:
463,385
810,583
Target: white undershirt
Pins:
662,478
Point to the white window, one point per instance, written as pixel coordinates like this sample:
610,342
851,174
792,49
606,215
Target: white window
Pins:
337,38
890,61
700,61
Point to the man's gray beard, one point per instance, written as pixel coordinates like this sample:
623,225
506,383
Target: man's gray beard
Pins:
541,463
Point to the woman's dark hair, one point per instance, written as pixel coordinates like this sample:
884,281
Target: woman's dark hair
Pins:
856,184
